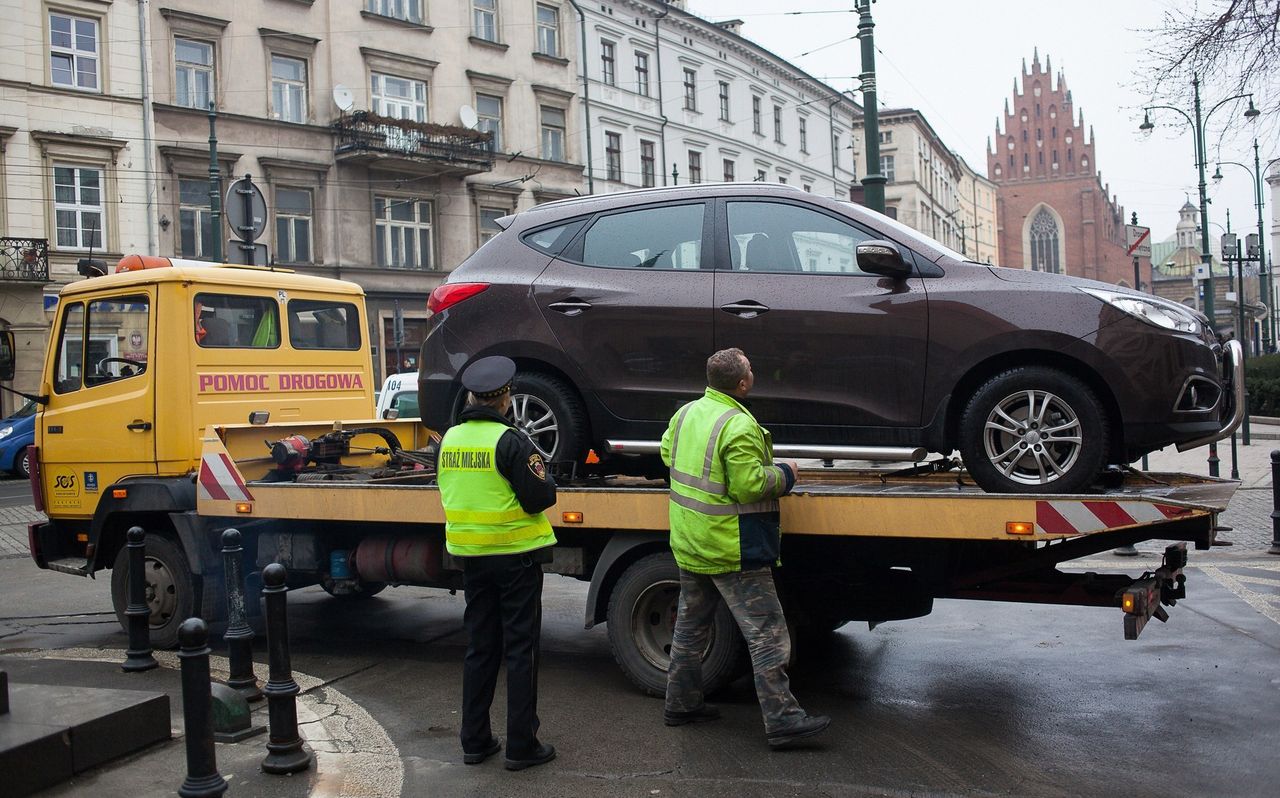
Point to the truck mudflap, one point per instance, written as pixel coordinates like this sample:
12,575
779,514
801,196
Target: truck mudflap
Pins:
1146,597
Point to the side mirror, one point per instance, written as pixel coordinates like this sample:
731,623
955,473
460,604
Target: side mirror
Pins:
8,358
391,414
882,257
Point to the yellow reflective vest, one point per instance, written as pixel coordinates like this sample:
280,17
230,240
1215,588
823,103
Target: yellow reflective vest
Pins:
482,514
723,505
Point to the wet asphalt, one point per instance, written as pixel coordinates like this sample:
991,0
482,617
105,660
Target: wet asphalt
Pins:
975,699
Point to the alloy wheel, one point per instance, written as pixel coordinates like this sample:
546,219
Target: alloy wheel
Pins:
1033,437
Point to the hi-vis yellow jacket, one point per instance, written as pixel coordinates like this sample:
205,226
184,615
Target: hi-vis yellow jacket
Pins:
724,487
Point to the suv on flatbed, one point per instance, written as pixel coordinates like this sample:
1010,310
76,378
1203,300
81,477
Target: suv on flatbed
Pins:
860,331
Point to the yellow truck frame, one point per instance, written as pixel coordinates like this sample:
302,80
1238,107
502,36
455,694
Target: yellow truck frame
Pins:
860,545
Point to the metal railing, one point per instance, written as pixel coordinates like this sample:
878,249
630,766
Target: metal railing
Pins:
361,132
24,259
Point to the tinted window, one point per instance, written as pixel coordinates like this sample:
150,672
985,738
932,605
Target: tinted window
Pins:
323,325
552,239
776,237
236,321
653,238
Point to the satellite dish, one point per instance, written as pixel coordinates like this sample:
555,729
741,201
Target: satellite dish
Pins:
342,98
468,116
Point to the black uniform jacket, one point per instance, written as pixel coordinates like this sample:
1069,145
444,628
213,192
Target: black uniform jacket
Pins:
517,461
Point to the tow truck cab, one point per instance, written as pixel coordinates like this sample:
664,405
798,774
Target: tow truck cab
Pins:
142,362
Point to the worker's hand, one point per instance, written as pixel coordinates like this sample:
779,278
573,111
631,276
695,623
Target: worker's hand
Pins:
795,468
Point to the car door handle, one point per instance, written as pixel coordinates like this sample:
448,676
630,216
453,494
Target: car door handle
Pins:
747,309
139,426
570,307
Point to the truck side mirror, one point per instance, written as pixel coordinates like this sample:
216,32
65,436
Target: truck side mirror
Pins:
7,355
882,257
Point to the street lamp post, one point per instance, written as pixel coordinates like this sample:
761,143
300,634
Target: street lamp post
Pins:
1197,136
873,182
1263,288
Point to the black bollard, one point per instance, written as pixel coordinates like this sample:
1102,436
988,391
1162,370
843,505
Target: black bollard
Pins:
138,657
285,753
203,779
1275,502
239,636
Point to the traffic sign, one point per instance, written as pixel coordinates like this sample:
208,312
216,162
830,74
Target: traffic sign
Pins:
1138,240
238,252
247,219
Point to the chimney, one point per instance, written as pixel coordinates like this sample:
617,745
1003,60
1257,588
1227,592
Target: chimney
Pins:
731,25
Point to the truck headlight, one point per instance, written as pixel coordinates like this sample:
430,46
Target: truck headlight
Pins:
1157,312
5,432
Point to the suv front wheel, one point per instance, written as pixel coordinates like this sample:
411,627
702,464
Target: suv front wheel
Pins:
1033,430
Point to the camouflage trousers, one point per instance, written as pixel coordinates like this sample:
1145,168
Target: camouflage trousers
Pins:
752,599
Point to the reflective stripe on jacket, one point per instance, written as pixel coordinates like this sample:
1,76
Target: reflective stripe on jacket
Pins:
482,514
723,505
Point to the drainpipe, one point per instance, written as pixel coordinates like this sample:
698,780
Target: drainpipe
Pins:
586,94
831,139
662,107
144,67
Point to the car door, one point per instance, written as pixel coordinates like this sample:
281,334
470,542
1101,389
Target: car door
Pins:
832,347
629,302
98,425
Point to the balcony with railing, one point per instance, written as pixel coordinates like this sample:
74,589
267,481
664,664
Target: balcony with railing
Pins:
423,147
24,260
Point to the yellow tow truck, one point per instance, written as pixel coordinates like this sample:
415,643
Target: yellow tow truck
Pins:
246,435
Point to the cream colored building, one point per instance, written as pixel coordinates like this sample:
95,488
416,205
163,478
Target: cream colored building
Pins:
930,188
73,163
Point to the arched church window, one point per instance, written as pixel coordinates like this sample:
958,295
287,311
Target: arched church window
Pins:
1024,134
1044,243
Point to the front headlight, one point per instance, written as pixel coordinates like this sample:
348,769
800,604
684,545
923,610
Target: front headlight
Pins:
1158,312
5,431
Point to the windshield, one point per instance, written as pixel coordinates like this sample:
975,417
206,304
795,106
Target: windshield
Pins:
28,409
914,236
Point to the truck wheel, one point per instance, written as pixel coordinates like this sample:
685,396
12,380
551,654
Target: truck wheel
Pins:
171,589
364,590
642,617
1033,430
549,412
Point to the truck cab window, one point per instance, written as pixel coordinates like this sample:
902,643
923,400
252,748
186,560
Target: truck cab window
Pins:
236,321
118,339
70,350
323,325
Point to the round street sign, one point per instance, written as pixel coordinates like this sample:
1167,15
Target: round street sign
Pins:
246,223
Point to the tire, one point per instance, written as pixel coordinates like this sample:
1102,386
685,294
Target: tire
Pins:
365,590
549,412
641,617
172,591
1003,440
22,464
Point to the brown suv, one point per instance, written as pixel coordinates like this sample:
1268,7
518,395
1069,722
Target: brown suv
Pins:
861,332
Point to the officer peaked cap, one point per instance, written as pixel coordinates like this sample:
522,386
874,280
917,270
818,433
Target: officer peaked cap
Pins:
489,376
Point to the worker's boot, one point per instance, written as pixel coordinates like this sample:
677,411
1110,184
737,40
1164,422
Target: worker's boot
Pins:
808,726
679,718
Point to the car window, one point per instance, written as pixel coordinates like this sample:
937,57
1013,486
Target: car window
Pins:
236,321
669,237
552,239
407,403
779,237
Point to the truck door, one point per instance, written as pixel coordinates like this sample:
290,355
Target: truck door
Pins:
98,424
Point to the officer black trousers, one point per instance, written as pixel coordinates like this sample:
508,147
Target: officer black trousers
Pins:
504,621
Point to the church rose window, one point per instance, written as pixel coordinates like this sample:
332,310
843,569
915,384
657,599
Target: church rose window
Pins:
1044,243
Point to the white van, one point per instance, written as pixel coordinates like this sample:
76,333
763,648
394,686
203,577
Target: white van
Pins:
399,392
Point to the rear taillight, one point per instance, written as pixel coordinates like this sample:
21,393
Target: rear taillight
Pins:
33,466
450,294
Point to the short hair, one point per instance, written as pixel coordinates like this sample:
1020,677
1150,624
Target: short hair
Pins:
726,368
494,402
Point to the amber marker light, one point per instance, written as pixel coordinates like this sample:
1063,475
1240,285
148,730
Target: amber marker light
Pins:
1019,528
82,537
244,507
571,517
1128,602
120,493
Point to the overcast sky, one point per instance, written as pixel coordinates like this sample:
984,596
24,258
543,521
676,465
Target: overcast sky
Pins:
956,62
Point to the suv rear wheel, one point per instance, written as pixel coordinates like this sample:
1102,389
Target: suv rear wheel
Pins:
549,412
1033,430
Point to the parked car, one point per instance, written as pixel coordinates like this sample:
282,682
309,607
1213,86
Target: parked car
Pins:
17,432
860,331
400,393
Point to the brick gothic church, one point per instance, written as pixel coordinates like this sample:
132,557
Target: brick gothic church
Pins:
1053,212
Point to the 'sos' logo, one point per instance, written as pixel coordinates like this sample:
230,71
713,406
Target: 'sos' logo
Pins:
65,482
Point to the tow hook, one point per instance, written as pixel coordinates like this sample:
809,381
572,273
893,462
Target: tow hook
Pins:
1142,600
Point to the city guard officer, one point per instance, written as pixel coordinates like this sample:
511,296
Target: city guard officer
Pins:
494,487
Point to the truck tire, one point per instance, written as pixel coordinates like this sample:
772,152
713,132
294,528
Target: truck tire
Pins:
171,588
641,618
1034,430
549,412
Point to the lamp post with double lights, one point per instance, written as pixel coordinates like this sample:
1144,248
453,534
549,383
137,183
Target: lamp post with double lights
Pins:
1264,286
1197,133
